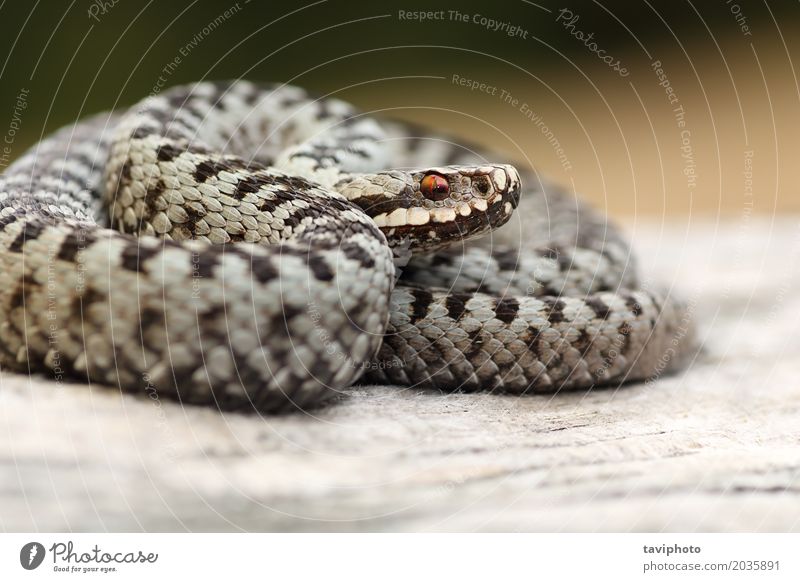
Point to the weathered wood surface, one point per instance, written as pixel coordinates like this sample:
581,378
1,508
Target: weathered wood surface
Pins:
715,448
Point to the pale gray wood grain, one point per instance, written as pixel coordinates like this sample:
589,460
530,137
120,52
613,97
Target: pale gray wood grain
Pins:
716,448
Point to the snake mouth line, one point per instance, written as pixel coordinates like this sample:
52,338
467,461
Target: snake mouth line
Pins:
417,216
459,227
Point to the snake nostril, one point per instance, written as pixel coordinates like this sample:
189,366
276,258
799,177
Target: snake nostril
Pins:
481,184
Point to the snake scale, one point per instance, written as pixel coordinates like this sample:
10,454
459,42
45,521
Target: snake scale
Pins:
245,245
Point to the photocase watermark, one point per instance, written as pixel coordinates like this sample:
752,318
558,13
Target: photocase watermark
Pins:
162,423
100,8
523,107
745,220
568,19
54,288
169,69
487,22
739,16
613,352
31,555
686,147
791,260
65,558
53,358
673,348
332,347
14,126
197,276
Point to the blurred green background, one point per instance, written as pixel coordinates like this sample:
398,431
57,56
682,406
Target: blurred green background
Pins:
614,138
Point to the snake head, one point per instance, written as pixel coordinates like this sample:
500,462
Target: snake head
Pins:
429,208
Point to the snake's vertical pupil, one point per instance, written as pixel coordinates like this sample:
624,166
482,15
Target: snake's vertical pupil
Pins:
434,187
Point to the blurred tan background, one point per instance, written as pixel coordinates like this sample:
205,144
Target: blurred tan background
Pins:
614,137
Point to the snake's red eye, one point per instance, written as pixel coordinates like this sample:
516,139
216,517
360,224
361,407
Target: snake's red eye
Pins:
434,187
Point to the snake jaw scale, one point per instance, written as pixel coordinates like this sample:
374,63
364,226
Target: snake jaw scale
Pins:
443,214
418,216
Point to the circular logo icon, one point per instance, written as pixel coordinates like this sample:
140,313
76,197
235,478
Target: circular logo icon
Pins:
31,555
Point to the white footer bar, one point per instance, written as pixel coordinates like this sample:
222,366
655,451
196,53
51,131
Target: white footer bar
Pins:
388,557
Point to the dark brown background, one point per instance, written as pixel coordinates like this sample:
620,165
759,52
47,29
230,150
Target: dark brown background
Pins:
740,92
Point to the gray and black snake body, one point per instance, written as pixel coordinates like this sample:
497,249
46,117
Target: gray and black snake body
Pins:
238,244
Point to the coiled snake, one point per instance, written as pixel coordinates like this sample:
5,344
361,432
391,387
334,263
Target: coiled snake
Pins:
235,244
